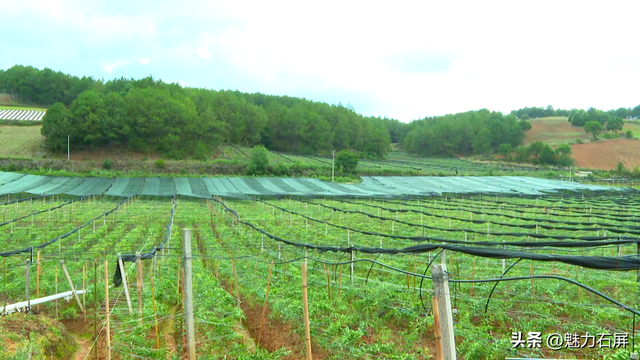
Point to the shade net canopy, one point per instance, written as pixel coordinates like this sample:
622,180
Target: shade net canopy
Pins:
246,187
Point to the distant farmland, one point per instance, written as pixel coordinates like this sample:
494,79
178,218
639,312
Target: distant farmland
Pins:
554,131
21,114
20,141
607,154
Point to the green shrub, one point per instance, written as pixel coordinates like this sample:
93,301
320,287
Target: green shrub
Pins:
107,164
346,161
160,164
259,161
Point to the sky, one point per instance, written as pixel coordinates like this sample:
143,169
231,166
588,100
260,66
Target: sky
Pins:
402,60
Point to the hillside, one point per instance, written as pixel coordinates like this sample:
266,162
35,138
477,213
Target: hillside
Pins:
554,131
606,155
603,154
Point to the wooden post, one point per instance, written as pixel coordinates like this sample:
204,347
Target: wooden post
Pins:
84,290
352,260
264,308
473,275
73,288
123,275
305,308
533,291
340,282
95,308
28,263
441,288
106,304
155,314
329,281
56,280
235,276
4,283
139,285
188,295
38,278
436,325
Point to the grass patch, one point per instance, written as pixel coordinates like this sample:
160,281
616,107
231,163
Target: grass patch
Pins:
20,107
20,141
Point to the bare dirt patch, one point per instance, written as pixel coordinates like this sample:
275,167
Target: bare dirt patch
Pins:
5,99
606,155
276,334
554,131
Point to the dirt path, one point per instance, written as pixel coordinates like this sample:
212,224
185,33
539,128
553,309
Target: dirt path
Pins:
167,330
84,347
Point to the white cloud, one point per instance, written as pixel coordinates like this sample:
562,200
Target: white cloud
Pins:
203,52
110,66
403,59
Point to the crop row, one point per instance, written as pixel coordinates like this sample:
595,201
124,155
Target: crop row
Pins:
33,115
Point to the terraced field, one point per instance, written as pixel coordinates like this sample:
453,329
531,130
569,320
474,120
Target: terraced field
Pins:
368,261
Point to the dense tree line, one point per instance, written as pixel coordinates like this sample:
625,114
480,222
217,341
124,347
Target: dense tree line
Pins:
527,113
473,132
592,114
610,119
29,85
150,115
539,153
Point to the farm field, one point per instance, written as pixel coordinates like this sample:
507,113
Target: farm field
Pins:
397,162
20,141
20,107
12,113
606,154
380,309
554,131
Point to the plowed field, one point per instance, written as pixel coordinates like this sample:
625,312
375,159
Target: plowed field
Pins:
606,154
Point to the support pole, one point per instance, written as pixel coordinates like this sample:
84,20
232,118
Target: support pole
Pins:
123,275
188,295
436,325
264,308
28,263
106,306
139,285
38,278
305,308
155,313
441,288
56,280
73,288
95,308
352,260
84,290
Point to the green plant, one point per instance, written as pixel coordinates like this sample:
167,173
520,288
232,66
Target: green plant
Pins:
259,161
107,164
160,164
346,161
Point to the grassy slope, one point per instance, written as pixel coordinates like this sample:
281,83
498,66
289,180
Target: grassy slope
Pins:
20,107
21,150
554,131
20,141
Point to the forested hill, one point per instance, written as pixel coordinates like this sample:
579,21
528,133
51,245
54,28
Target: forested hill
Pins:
150,115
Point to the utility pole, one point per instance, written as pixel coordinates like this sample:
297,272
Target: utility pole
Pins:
441,288
570,172
333,165
68,147
188,294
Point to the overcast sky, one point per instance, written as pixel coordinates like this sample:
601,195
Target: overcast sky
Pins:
404,60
